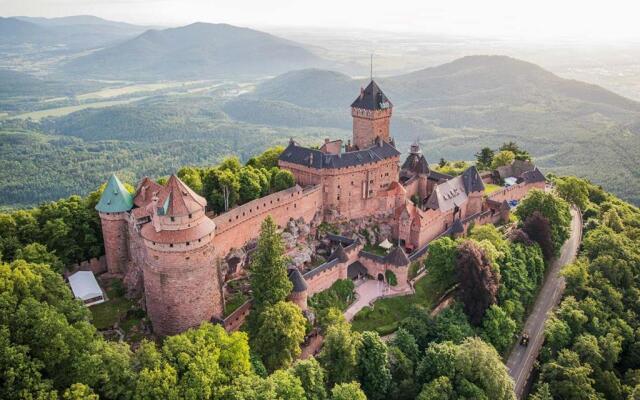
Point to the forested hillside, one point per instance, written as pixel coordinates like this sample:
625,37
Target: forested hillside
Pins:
592,339
212,50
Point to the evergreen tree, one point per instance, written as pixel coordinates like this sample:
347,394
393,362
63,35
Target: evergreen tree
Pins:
270,283
484,158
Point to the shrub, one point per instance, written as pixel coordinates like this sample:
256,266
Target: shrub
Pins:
391,278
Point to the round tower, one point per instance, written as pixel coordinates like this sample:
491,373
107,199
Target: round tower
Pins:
113,207
181,281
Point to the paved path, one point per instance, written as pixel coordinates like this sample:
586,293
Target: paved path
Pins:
521,359
367,292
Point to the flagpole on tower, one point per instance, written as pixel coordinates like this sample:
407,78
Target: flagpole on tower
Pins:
371,66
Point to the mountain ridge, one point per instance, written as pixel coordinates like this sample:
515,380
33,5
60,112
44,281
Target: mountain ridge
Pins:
201,50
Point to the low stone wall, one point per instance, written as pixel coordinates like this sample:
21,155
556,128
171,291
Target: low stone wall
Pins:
323,276
241,224
95,265
237,318
515,192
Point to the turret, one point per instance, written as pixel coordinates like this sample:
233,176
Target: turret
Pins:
299,292
113,207
371,112
181,281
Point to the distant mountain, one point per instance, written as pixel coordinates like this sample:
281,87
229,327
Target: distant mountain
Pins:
15,31
67,33
82,20
195,51
456,108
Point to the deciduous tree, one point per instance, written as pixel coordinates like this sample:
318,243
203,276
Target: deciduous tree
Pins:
479,281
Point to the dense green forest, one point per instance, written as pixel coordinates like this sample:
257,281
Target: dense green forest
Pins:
592,347
53,166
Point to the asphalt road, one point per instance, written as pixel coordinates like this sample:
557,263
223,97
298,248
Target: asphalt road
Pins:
521,359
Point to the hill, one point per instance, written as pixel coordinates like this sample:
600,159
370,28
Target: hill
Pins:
68,33
15,31
196,51
571,127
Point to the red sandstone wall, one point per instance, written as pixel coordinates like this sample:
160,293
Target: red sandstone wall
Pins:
374,268
182,289
241,224
237,318
367,125
351,192
326,278
114,232
515,192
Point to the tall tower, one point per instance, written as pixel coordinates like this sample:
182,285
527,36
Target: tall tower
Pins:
371,112
113,207
181,282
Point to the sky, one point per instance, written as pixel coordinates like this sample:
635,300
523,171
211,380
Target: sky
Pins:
585,20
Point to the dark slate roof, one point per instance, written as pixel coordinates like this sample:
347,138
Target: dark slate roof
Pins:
397,257
416,163
372,98
533,176
355,269
457,227
339,254
296,154
439,176
299,284
340,239
472,180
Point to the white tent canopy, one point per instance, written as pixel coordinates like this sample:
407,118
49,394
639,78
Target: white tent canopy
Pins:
386,244
510,181
86,288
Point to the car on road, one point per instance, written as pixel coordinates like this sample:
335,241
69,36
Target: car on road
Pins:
524,340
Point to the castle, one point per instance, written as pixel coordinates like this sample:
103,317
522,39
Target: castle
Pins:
164,244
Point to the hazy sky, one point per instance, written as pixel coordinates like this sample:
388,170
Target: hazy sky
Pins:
532,19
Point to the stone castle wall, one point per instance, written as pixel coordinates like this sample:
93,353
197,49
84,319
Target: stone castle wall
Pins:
350,192
241,224
515,192
376,266
369,125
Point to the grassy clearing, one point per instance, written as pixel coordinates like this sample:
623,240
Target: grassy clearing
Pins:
490,188
386,314
131,89
111,311
61,111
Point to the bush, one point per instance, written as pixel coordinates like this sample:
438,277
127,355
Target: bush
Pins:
390,276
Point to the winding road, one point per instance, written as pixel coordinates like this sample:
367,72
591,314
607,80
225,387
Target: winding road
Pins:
521,359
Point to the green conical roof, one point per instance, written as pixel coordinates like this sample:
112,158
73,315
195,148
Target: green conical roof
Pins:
115,198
